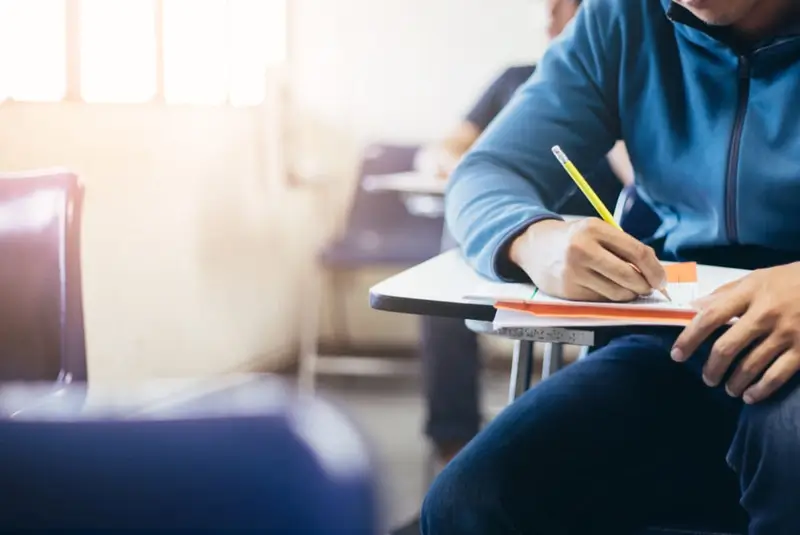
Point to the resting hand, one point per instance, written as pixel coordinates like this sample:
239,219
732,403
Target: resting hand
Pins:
767,303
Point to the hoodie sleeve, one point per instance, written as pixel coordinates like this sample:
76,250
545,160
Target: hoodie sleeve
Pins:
510,179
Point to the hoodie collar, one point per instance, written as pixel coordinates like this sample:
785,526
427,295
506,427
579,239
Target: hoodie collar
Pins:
724,34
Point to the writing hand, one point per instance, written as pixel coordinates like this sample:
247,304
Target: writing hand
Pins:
587,260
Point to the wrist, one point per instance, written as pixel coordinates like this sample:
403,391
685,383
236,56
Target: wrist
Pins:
517,251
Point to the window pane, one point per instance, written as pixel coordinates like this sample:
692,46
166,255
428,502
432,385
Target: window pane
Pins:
118,50
5,48
258,39
195,51
33,49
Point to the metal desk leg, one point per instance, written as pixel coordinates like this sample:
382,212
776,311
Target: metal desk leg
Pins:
521,369
553,359
309,343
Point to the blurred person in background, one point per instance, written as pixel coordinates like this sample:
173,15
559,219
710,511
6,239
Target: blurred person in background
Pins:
450,353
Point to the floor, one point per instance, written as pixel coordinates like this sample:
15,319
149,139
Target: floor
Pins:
390,413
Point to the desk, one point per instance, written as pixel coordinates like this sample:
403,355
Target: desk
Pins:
422,194
437,288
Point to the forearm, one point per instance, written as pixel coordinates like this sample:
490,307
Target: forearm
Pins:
510,179
487,207
620,164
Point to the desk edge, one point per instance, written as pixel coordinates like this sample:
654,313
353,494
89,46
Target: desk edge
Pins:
425,307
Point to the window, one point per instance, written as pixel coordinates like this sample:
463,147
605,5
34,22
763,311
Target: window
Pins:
33,49
178,51
118,50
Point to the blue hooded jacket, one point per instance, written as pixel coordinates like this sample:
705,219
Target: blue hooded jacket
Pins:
712,126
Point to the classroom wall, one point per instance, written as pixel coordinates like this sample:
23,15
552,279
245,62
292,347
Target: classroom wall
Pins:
196,253
401,70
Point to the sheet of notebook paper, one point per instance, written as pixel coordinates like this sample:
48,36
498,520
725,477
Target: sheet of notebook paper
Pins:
683,288
682,294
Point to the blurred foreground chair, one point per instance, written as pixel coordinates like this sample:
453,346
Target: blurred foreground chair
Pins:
41,314
223,454
383,229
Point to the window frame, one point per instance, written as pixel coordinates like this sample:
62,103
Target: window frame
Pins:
72,49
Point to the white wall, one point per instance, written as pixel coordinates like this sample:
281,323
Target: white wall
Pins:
401,70
195,254
394,70
180,234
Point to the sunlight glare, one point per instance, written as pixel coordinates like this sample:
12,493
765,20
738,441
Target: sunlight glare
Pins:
194,51
33,50
118,50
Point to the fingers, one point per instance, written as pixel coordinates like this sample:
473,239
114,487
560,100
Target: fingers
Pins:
632,250
754,364
607,289
783,369
618,272
599,268
726,288
706,322
706,300
730,345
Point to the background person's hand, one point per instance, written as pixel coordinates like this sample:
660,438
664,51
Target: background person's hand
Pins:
767,303
436,162
587,260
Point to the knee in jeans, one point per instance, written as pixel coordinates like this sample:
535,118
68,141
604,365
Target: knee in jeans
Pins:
769,432
452,505
441,505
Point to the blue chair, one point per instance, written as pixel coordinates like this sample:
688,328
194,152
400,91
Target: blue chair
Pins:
381,231
635,216
222,455
41,316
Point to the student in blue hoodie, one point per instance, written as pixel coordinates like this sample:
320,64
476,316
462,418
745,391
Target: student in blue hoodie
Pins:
451,363
697,428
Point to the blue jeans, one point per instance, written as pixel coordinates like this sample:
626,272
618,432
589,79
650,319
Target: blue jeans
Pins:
623,440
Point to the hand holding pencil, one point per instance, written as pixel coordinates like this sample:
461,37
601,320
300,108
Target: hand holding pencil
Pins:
587,260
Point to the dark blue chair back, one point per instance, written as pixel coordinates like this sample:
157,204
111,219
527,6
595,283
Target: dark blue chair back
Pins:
380,230
41,315
252,456
635,216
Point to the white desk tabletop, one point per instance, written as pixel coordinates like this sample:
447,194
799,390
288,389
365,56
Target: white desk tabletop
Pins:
438,287
434,288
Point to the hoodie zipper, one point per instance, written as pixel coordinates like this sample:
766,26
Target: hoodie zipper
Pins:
732,176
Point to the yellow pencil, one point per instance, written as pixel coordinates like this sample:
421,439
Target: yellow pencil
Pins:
587,190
